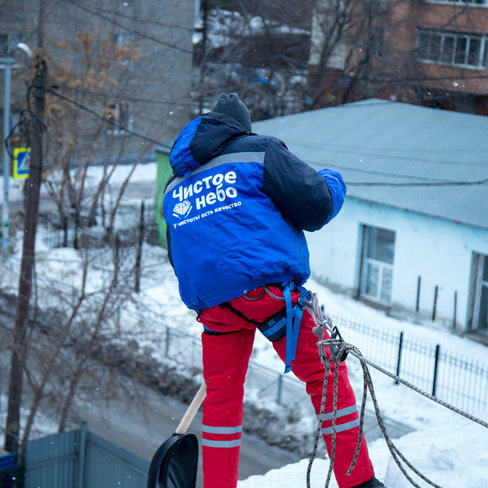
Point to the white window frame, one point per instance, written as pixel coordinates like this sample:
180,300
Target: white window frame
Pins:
480,286
468,3
9,43
384,271
431,36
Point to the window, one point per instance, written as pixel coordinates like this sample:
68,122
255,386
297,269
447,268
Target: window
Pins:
120,39
377,42
8,43
448,49
459,49
120,114
377,266
474,3
480,307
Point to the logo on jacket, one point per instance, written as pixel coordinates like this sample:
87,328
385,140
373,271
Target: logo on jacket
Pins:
208,195
182,209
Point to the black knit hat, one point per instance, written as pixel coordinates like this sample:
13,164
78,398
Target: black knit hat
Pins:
229,104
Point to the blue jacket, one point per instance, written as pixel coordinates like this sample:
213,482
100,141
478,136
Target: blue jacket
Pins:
236,210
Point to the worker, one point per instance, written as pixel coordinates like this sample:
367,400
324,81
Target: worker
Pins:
236,210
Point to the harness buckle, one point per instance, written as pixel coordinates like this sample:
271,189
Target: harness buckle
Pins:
336,335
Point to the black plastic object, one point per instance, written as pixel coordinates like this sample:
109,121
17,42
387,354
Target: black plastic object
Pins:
175,463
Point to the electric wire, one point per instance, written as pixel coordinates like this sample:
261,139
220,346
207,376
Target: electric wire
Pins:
424,181
400,184
144,21
226,60
395,152
106,120
134,31
440,183
429,183
125,97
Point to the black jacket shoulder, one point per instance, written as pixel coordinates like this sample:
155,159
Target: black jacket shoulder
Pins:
298,191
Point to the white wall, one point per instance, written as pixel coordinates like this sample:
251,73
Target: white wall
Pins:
437,250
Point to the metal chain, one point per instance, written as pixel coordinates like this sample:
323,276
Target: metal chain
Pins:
340,350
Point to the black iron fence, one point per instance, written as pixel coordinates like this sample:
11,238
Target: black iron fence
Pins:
452,377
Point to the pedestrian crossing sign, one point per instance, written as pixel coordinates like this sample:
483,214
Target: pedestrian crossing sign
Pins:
21,162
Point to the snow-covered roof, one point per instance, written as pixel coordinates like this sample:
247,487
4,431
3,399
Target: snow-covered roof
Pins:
429,161
224,26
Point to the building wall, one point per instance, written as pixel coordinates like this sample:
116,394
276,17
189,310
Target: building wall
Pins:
157,85
395,28
453,18
438,251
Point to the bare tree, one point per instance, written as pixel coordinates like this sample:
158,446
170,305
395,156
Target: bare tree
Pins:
258,49
83,133
369,49
84,126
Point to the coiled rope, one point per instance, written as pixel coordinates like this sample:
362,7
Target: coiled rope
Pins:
339,349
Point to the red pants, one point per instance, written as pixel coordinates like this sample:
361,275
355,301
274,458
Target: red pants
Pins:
225,362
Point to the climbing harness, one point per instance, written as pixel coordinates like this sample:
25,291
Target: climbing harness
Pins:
293,319
339,350
285,321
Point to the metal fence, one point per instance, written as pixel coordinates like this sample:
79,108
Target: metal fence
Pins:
452,377
182,348
80,459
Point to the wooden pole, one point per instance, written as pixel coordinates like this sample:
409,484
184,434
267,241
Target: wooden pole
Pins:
38,89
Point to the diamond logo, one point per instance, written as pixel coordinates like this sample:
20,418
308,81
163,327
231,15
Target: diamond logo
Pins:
182,209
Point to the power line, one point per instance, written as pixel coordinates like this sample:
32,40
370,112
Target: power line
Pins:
108,121
419,183
285,70
423,181
125,97
145,21
134,31
429,183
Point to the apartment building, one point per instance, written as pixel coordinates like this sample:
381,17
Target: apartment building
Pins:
428,52
148,92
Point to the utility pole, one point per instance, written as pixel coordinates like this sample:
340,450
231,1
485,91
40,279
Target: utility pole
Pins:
19,353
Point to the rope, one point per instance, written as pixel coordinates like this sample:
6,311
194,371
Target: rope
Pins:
339,349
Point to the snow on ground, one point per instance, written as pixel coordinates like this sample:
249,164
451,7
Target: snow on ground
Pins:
451,454
447,448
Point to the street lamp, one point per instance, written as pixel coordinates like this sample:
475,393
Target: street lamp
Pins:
6,64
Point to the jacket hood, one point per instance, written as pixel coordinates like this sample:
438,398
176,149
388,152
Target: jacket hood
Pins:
203,139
